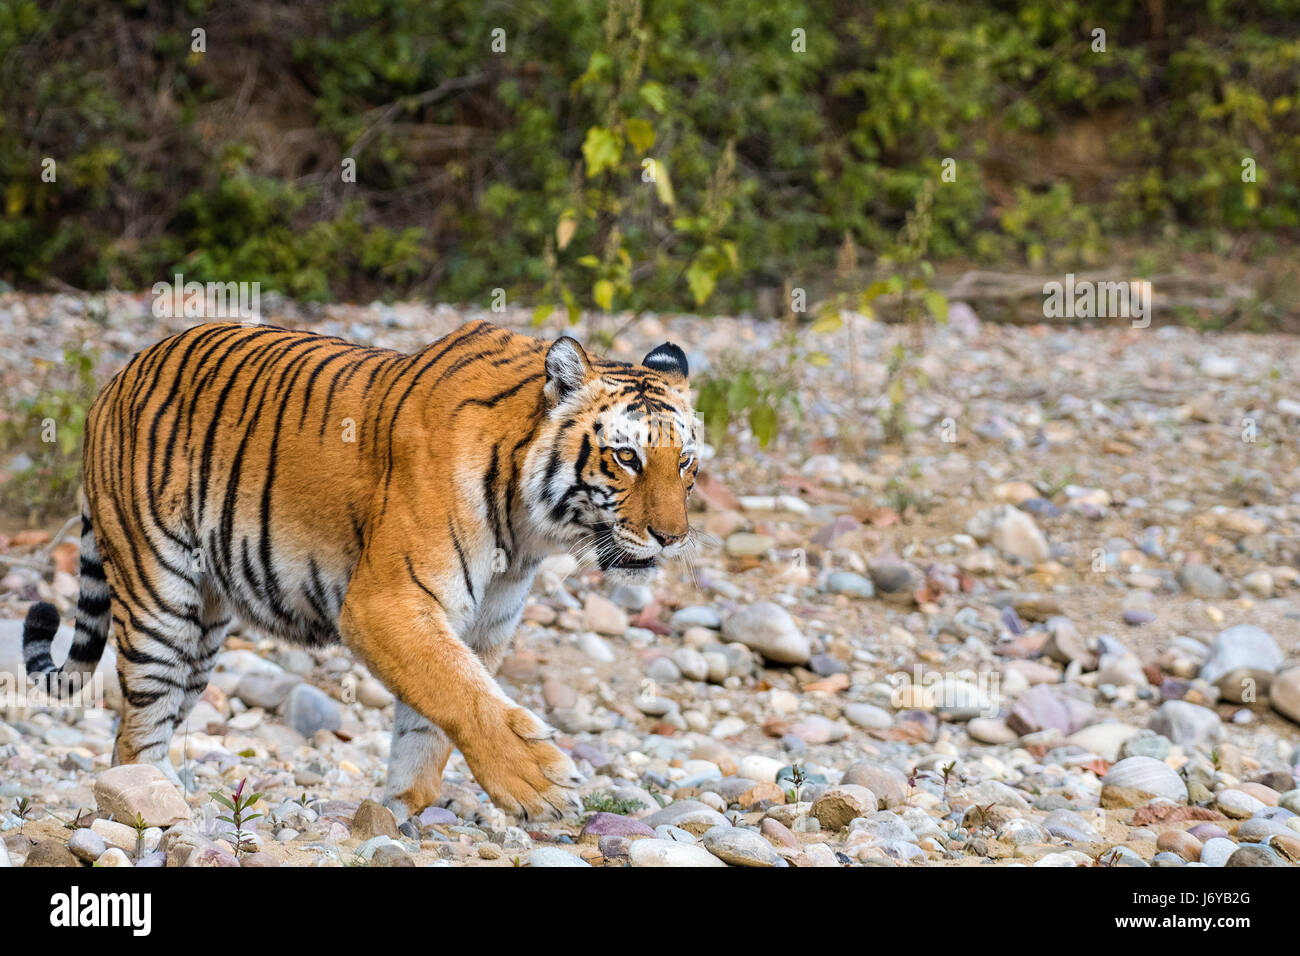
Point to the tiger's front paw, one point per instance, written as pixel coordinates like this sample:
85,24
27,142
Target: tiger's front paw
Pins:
522,771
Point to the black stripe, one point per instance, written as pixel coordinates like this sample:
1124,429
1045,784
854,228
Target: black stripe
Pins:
490,497
501,395
93,606
410,569
460,553
92,569
316,594
457,338
311,382
210,437
297,364
584,452
343,373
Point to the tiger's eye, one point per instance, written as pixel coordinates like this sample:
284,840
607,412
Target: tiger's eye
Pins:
627,456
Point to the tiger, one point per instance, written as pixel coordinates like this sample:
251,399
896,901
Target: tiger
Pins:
321,491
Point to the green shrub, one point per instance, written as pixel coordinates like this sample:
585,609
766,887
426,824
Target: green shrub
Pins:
522,169
48,431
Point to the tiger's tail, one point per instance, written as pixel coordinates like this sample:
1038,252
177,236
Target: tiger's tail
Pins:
93,618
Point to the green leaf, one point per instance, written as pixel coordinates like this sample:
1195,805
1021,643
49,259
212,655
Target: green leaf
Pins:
874,291
762,422
653,94
937,303
733,257
564,231
603,294
542,313
742,392
600,61
602,149
640,134
828,320
702,280
664,184
571,305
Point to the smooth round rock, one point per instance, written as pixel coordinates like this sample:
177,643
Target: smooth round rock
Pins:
665,853
769,629
740,847
1216,850
1180,843
1207,831
850,584
612,824
1253,854
1237,804
1135,780
113,857
690,815
553,856
887,783
1186,724
1122,856
1145,743
1284,693
87,845
1243,657
991,730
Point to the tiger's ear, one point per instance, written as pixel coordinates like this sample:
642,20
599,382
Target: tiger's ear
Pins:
668,360
567,369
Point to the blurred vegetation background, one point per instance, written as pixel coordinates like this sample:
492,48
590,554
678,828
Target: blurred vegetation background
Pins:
665,154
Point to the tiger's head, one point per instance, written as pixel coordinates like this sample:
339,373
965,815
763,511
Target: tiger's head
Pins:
615,459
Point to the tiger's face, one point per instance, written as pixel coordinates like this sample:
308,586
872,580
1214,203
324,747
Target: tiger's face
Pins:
617,459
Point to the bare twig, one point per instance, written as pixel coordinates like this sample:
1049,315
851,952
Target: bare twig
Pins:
384,114
59,536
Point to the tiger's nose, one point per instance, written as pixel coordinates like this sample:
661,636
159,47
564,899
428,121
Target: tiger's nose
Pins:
665,539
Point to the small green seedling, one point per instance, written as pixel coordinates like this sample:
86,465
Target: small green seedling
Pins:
237,803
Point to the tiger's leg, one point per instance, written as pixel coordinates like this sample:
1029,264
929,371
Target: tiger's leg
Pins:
215,621
154,665
419,753
420,748
156,607
404,637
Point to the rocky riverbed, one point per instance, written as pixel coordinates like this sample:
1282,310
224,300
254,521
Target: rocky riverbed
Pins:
1058,624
